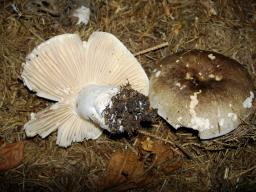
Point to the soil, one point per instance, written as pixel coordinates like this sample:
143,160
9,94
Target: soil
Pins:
130,111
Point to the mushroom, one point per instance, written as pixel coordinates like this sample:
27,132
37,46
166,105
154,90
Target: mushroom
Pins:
82,78
202,90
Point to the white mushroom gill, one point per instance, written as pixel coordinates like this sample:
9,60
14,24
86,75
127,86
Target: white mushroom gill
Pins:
93,99
248,101
63,69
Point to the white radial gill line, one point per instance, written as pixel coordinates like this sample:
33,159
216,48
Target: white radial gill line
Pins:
120,75
44,126
39,85
40,79
71,128
55,65
42,70
65,62
77,61
51,69
90,62
106,63
95,65
106,67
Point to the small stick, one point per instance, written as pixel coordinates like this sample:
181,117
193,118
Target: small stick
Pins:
244,172
253,69
152,49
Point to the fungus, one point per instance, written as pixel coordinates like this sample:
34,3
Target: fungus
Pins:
205,91
84,78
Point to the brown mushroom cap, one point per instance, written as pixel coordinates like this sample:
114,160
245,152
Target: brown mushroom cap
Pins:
202,90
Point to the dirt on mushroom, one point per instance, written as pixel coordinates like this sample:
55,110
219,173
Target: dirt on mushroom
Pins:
226,27
129,112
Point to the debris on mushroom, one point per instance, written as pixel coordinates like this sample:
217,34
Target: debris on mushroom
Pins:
83,78
127,111
205,91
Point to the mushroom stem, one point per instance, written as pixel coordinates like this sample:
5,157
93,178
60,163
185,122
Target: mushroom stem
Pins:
117,109
93,99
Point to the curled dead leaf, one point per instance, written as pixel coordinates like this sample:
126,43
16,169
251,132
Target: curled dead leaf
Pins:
162,151
125,171
165,157
11,155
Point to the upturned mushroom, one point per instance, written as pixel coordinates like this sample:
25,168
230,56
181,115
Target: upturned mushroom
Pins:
202,90
83,78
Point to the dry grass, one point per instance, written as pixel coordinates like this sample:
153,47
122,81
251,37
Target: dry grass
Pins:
224,164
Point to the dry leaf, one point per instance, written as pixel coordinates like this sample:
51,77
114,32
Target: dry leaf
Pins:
176,28
165,158
11,155
171,166
125,171
162,151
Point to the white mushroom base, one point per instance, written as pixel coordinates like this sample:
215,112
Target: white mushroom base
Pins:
93,99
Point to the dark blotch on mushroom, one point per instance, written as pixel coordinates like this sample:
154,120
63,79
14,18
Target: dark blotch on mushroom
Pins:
129,112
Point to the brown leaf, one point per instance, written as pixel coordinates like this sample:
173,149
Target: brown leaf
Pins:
162,151
11,155
125,171
165,158
172,166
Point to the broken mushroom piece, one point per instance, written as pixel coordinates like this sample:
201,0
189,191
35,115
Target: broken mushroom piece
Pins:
202,90
82,77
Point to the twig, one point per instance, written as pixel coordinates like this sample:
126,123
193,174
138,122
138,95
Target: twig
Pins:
167,141
152,49
131,147
243,172
162,187
252,68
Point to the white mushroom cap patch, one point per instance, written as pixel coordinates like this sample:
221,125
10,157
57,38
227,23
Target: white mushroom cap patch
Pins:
60,68
205,91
